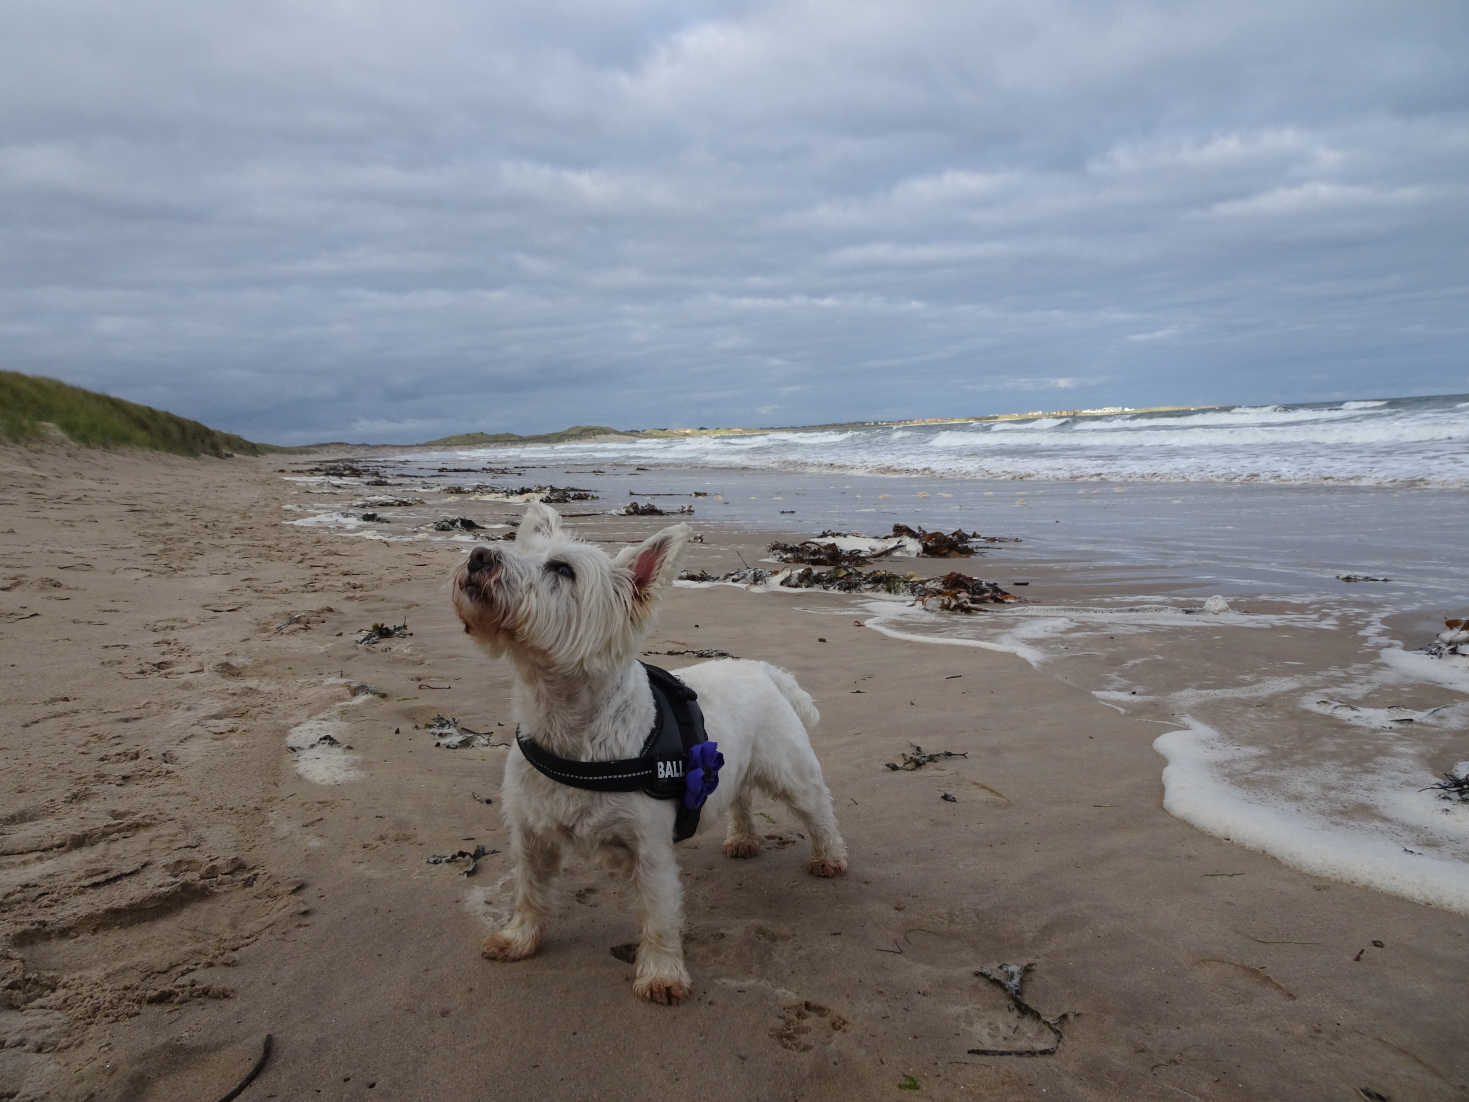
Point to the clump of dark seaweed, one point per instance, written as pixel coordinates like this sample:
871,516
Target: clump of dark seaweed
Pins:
560,495
957,592
551,495
848,579
948,545
918,757
1454,639
821,551
378,632
389,502
469,858
816,553
338,469
455,524
450,734
954,592
1454,786
648,509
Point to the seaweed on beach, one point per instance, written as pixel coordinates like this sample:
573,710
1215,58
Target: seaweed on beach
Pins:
948,545
450,734
938,545
1010,978
369,471
551,495
389,502
957,592
1453,640
821,551
560,495
918,757
455,524
648,509
954,592
477,488
846,579
378,632
470,858
1454,786
816,553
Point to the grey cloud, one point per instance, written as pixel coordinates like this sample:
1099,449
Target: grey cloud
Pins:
304,222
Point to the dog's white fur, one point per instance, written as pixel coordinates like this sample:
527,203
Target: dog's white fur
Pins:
580,692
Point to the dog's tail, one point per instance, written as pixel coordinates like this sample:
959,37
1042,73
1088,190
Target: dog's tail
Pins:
799,698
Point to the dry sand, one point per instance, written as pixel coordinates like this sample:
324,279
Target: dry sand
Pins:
173,888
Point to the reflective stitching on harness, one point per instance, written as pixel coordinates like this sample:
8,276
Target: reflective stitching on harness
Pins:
593,777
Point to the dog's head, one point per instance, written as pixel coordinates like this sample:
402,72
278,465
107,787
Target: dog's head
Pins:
554,601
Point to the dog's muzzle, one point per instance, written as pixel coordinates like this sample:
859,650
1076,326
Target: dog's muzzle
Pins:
480,571
482,560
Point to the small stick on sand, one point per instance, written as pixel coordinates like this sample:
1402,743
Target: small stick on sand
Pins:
252,1073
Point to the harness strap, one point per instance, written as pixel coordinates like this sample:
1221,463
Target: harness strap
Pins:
661,770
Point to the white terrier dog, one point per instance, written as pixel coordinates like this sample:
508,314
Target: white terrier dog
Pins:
572,618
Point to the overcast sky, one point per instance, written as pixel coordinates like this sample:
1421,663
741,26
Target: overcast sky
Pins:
391,221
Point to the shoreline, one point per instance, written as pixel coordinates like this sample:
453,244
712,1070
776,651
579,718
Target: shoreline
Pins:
215,893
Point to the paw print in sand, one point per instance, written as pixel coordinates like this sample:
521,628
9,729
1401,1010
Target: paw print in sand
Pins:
804,1023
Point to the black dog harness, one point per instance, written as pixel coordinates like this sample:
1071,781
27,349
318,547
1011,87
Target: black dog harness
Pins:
678,762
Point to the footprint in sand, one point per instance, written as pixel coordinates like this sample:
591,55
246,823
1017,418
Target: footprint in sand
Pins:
805,1024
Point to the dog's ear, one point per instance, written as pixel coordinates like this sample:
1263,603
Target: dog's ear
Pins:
652,564
540,523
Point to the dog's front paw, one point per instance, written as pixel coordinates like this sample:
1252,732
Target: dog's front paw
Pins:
742,845
826,866
507,945
665,990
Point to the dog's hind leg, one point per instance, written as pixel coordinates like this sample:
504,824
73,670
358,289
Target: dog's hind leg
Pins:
536,861
661,975
740,840
803,789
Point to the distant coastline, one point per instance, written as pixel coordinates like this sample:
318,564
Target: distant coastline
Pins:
598,434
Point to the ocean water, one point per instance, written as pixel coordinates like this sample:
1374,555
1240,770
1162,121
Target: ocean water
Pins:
1303,722
1396,442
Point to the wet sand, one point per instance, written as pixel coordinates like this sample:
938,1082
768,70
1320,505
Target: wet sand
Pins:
175,883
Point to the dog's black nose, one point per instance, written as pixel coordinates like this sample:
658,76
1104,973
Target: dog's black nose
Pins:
482,559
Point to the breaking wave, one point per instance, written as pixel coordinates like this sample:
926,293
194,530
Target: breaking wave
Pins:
1377,442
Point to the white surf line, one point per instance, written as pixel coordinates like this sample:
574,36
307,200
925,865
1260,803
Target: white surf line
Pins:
1033,655
1194,792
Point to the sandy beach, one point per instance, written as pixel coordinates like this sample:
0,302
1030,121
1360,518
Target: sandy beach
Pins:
218,811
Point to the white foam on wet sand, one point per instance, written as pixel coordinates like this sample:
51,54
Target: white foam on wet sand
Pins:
1198,789
322,763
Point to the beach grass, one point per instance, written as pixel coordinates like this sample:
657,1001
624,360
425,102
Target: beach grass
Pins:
32,407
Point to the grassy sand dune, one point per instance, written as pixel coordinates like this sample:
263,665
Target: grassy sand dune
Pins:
31,403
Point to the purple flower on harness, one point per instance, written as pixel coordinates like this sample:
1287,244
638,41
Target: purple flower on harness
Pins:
702,777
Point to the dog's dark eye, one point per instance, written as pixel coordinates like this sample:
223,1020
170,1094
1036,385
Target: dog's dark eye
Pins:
556,566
